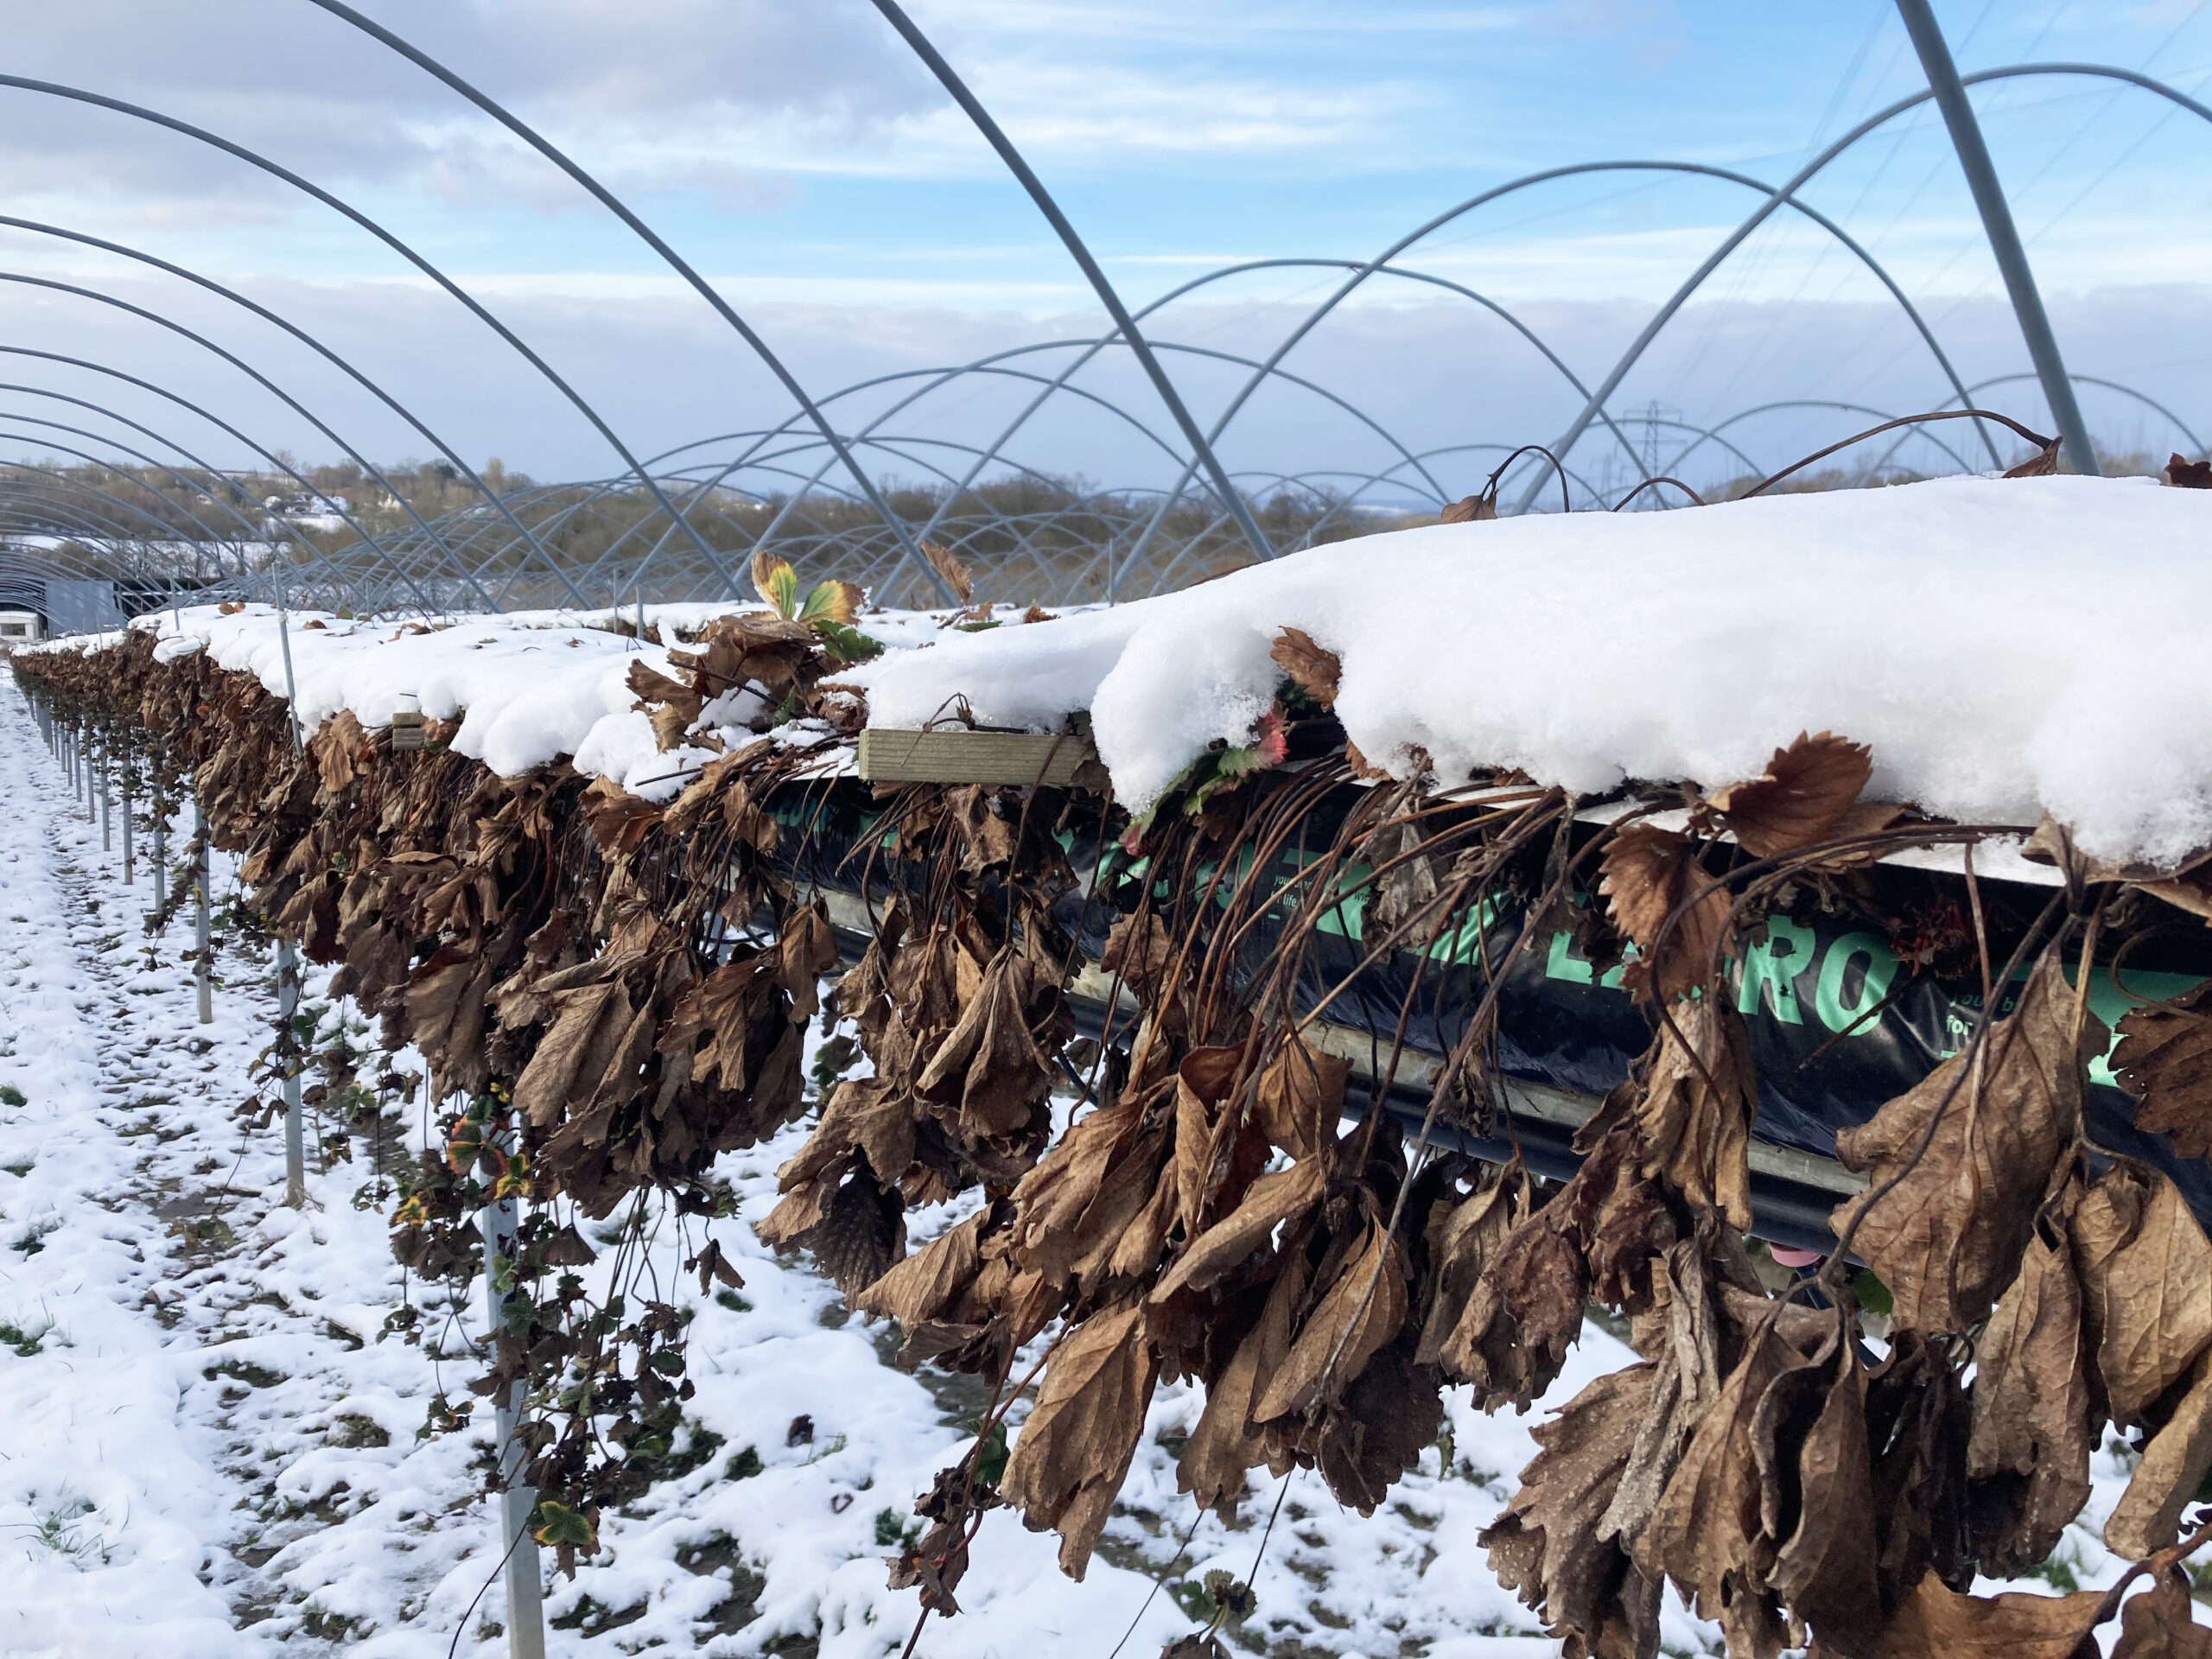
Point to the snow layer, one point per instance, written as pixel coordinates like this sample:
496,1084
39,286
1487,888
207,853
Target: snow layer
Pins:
2008,646
528,686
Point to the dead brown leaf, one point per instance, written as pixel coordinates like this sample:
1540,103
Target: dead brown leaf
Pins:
1312,670
1470,510
1686,1381
1800,798
1700,1096
1547,1545
1948,1236
1824,1569
957,574
1935,1622
1227,1442
1217,1153
2035,1410
1359,1310
989,1066
1072,1209
1462,1239
1648,876
2165,1060
1708,1533
928,1284
1300,1094
2161,1623
1074,1449
2148,1516
1272,1200
2146,1279
867,1114
1141,951
2042,464
1525,1308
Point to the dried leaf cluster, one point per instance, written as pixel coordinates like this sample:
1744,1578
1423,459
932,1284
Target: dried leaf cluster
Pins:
620,990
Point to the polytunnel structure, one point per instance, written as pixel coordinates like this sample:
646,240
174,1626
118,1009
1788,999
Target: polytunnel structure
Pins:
1664,952
856,478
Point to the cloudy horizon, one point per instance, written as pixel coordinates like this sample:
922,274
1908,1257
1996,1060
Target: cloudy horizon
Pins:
804,162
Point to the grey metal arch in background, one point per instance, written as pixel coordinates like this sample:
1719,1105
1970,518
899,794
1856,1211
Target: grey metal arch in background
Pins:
275,465
1735,239
1201,446
775,485
301,335
1594,407
614,205
117,533
2196,443
467,300
267,385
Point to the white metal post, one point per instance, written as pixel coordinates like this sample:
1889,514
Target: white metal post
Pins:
205,975
525,1610
288,1004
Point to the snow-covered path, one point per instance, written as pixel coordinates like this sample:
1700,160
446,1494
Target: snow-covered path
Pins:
191,1369
205,1448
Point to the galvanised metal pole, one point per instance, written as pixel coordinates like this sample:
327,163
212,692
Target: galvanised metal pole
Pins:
1997,223
525,1610
287,964
130,848
107,806
287,1005
203,975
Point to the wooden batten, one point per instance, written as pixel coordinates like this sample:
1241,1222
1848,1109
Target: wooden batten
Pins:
960,756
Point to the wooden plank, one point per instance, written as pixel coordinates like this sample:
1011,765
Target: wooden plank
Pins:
960,756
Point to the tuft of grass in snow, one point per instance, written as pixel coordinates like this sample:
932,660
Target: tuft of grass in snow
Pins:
60,1531
28,1343
892,1533
11,1096
2061,1570
33,1237
245,1371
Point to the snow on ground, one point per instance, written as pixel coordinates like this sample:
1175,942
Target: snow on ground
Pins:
1953,625
205,1448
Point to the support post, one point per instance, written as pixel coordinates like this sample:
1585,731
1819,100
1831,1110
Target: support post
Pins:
525,1613
160,855
1996,213
107,807
129,847
204,972
288,1004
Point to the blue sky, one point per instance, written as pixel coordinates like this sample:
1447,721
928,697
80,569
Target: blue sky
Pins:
794,152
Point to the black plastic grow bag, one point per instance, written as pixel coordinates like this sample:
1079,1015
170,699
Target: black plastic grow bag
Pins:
1840,1023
